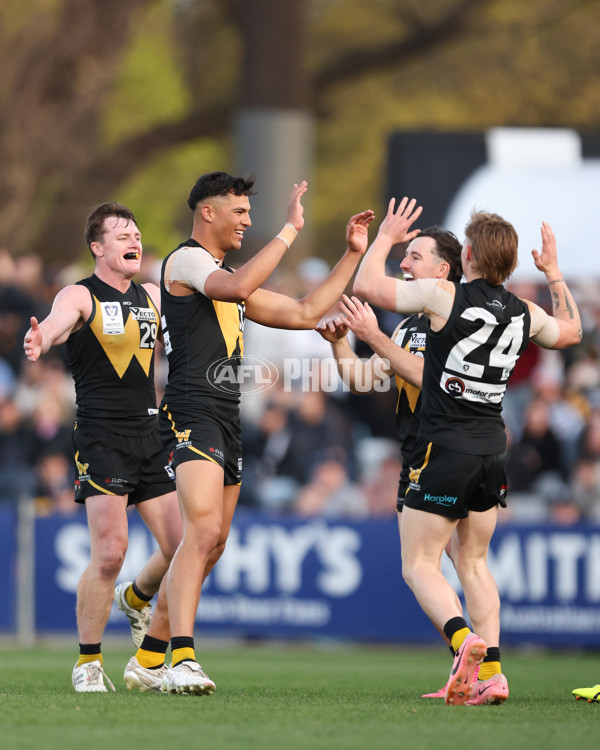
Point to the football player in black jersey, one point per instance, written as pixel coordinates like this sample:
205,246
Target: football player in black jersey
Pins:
433,254
458,469
110,325
204,304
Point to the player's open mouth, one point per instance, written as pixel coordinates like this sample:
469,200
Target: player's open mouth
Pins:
408,276
131,256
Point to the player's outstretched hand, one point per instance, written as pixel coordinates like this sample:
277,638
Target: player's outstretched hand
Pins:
360,317
397,223
333,329
295,212
357,231
32,343
547,260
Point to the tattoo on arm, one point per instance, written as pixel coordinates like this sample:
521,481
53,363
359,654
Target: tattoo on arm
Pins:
555,301
569,306
556,281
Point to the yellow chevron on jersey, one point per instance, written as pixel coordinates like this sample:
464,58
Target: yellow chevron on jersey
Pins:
411,391
228,315
136,341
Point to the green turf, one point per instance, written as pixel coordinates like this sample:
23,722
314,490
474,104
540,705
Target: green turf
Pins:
297,697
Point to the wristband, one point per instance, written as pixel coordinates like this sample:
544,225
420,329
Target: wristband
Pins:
287,235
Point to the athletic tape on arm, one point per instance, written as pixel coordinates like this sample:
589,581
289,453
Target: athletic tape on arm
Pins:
415,296
192,266
544,329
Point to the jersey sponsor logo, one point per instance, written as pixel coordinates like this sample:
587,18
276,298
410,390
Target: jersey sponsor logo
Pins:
488,393
440,499
496,304
217,452
115,481
170,472
418,341
454,387
112,319
479,393
183,435
143,313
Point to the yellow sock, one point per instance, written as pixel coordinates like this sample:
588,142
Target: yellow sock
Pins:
85,658
179,654
489,669
458,638
134,600
149,659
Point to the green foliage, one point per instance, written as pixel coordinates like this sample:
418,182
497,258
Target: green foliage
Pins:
82,78
297,697
149,88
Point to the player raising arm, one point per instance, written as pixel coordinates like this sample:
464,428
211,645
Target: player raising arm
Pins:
457,474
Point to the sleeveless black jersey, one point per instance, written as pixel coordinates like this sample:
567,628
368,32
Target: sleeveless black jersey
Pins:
467,367
112,359
412,336
204,345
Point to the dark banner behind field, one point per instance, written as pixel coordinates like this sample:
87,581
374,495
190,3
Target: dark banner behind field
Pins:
292,578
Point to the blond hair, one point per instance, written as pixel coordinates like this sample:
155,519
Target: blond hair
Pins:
494,243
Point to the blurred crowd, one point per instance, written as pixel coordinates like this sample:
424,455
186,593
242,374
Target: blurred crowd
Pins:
310,446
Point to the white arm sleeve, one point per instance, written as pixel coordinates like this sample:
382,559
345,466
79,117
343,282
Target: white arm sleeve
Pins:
421,294
544,329
192,265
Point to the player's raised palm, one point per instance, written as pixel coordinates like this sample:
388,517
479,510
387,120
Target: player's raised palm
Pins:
295,212
547,260
397,223
357,232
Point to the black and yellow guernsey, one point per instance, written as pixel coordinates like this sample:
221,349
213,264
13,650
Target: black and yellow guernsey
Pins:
204,345
112,359
412,336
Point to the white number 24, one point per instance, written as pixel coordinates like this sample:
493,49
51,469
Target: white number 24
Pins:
503,355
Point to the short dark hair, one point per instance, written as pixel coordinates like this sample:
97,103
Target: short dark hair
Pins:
94,224
219,183
448,247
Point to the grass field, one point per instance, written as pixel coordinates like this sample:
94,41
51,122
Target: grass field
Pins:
297,697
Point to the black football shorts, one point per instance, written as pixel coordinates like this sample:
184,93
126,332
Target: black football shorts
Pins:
205,436
107,463
451,484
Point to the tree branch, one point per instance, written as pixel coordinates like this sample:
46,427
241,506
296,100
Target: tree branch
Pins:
357,62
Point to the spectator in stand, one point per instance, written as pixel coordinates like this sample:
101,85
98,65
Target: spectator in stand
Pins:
537,452
15,449
330,492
